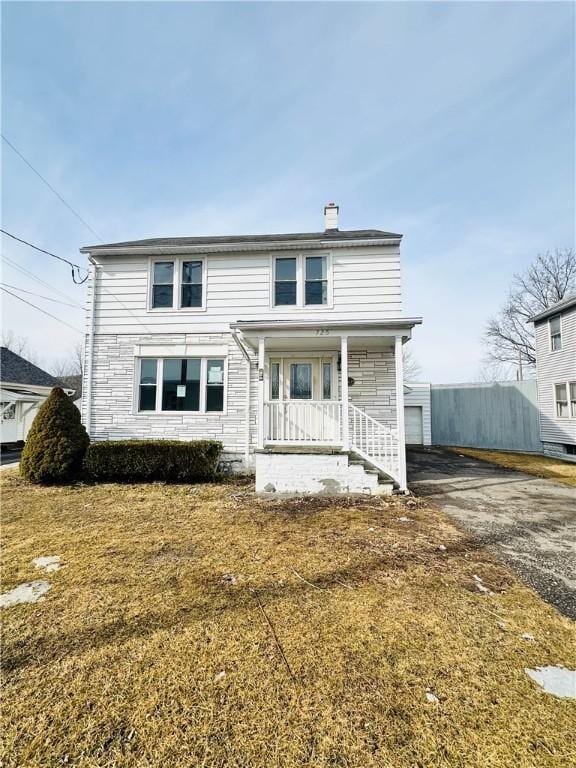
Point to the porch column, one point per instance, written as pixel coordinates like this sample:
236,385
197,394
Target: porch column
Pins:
399,365
261,351
344,391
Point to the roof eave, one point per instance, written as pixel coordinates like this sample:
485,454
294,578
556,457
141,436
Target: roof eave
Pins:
556,309
288,245
265,325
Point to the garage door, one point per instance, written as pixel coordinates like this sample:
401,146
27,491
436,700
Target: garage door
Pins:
413,424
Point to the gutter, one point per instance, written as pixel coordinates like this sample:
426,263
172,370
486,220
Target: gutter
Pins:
295,245
87,391
302,325
244,351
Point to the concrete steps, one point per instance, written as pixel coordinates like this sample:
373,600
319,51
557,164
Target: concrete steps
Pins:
302,472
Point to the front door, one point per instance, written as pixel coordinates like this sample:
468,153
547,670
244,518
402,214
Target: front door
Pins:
306,410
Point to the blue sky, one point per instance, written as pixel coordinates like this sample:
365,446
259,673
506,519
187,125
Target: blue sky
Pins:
452,123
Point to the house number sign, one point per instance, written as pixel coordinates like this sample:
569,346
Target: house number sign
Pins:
322,332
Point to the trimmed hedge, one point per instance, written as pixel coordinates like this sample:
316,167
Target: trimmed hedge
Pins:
173,461
56,443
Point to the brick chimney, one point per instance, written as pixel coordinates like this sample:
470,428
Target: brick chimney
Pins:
331,217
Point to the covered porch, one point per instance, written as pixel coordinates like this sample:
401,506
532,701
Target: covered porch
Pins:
335,385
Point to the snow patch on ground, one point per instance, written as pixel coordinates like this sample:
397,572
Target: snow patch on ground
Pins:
558,681
30,592
49,564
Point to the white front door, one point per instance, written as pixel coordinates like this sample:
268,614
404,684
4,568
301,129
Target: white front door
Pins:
306,409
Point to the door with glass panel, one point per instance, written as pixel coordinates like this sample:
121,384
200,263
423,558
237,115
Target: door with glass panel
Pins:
301,392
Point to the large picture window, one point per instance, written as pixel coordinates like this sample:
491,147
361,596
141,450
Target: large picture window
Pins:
178,284
189,384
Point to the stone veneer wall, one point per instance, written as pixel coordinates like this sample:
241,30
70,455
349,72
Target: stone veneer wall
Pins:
113,416
374,389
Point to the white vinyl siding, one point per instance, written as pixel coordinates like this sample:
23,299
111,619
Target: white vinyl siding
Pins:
365,286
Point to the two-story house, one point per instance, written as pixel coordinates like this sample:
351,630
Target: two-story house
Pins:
287,348
555,331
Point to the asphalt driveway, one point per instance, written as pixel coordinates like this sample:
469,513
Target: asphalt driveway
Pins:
528,522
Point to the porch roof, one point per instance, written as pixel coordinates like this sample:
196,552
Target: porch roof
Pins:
324,334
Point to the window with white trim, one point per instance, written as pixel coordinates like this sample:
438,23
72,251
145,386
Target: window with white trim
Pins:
561,398
555,326
316,284
572,387
188,384
178,284
301,281
285,282
163,284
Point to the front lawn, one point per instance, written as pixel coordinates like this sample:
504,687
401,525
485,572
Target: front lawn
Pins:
533,464
202,626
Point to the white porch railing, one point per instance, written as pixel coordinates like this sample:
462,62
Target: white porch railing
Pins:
303,421
319,422
375,442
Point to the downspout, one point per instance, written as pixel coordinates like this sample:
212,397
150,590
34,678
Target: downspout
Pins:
87,401
242,349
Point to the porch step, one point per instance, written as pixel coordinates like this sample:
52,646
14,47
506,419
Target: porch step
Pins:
305,471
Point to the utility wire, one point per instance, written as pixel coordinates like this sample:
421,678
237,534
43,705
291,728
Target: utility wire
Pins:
40,309
51,188
49,253
39,296
27,273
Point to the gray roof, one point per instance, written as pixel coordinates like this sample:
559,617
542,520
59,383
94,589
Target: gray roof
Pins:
327,235
566,303
16,370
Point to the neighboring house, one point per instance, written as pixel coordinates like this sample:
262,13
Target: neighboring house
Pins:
23,389
555,330
287,348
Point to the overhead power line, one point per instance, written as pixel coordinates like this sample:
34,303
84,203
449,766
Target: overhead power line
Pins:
39,296
51,188
49,253
27,273
40,309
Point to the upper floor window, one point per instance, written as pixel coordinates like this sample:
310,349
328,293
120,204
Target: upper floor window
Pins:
163,285
301,281
285,283
555,325
191,286
181,384
178,284
316,280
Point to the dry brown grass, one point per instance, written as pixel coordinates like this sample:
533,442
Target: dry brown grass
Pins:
541,466
117,666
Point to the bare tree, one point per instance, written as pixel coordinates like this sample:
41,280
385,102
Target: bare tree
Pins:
72,364
19,345
412,368
509,336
